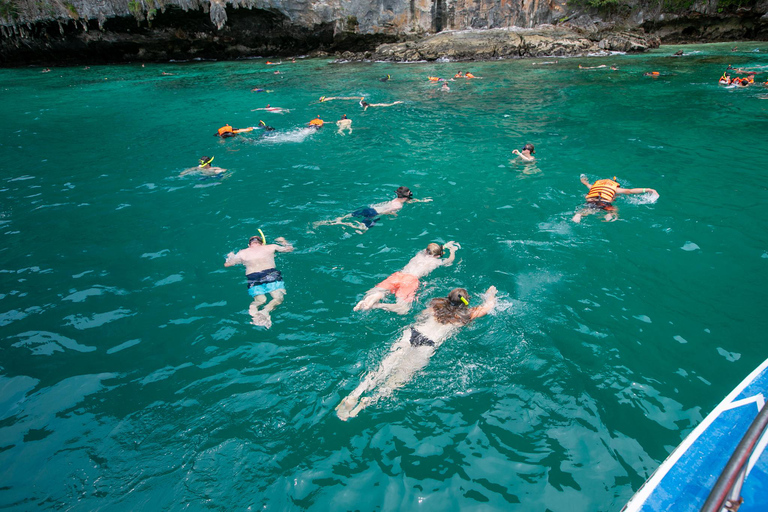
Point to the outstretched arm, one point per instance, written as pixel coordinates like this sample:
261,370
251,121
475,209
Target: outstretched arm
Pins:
425,200
451,246
635,190
586,182
285,245
526,158
232,260
487,305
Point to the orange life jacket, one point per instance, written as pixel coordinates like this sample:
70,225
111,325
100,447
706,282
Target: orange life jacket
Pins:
433,78
225,129
316,122
469,75
603,190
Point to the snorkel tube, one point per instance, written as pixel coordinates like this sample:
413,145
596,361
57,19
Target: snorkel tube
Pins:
204,162
263,239
464,300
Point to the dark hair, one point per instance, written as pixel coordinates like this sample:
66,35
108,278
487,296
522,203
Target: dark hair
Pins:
434,249
404,192
529,147
451,309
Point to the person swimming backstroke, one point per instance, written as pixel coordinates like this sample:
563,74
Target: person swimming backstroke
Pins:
442,319
371,214
404,283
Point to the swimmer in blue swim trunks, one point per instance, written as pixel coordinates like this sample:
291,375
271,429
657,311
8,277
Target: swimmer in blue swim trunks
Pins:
371,215
263,277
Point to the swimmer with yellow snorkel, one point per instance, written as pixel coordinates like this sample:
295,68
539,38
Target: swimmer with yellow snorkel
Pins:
263,277
204,168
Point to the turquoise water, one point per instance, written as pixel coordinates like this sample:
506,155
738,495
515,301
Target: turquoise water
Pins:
131,379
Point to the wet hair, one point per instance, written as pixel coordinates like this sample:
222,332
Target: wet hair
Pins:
434,249
205,160
529,147
257,238
404,192
451,309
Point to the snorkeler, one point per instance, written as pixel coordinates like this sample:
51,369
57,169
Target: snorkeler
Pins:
526,153
263,277
601,195
593,67
344,124
371,214
204,168
405,282
269,108
441,320
227,131
326,98
385,79
264,126
365,104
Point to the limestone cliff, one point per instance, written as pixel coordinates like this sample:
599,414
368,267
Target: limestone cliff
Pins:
72,31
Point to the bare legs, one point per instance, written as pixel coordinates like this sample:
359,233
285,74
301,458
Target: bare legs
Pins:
340,222
372,300
262,317
609,217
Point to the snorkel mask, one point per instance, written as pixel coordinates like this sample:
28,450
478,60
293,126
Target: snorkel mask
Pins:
206,161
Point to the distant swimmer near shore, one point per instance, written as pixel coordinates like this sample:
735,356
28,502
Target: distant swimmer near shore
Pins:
371,215
344,124
592,67
404,283
601,195
330,98
365,104
263,277
204,168
270,108
442,319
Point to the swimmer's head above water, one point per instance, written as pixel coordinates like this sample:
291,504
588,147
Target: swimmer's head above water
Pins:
459,296
435,250
205,161
529,147
259,239
404,192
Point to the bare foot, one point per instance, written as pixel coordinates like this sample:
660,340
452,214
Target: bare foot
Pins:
262,319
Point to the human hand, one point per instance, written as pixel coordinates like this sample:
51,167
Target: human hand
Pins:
515,152
281,240
490,293
652,190
426,200
451,245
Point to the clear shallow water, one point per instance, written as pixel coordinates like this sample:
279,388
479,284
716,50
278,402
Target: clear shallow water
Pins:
131,378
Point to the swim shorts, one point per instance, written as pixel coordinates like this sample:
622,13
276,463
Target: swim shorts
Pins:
601,205
369,215
419,340
266,281
402,285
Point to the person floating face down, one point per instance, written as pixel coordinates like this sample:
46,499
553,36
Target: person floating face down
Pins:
441,320
372,214
344,124
263,277
526,153
227,131
601,195
404,283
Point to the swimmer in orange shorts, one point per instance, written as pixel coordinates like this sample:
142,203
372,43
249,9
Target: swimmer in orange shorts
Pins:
405,282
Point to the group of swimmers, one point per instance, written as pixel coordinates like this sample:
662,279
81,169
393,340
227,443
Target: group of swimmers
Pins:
442,318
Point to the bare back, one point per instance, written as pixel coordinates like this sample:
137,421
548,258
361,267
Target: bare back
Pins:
389,207
255,259
422,264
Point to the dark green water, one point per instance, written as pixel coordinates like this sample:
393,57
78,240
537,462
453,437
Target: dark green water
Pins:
131,379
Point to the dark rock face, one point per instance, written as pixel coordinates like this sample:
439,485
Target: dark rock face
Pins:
47,32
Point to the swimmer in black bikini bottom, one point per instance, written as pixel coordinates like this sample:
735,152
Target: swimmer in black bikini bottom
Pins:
419,340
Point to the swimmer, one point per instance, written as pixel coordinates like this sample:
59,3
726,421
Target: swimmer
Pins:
593,67
266,128
263,277
470,75
326,98
204,168
543,63
269,108
344,124
385,79
601,195
442,319
445,87
654,74
526,153
370,215
316,123
459,75
405,282
259,89
365,104
678,53
227,131
274,63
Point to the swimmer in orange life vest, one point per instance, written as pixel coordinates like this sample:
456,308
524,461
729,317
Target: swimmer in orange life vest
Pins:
404,283
227,131
601,195
316,123
459,75
526,154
